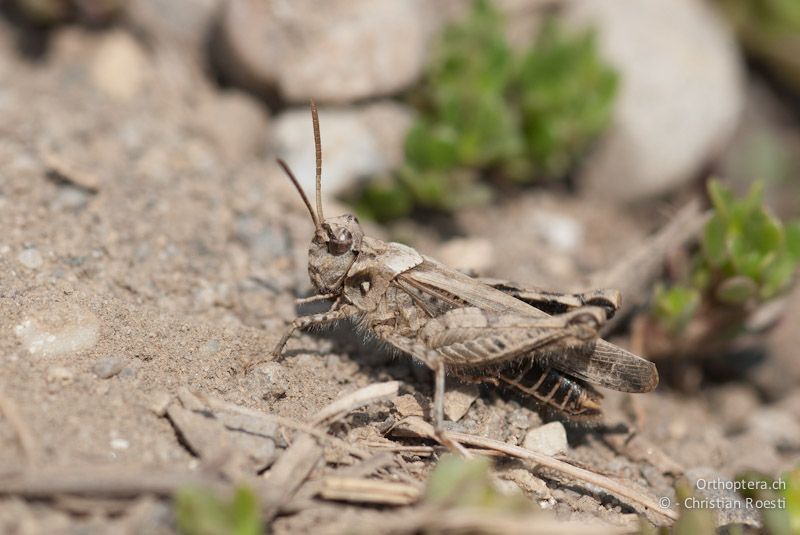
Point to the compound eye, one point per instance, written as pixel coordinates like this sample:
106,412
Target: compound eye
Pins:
340,242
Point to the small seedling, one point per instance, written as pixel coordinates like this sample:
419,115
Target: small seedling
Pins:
746,258
200,511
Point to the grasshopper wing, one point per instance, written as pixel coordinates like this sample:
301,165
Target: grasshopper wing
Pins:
469,338
608,365
600,363
556,302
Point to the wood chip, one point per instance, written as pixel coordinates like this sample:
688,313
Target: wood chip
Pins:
408,405
69,171
205,437
373,491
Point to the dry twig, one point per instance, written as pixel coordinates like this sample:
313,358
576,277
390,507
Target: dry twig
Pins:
220,405
30,446
101,482
288,473
359,398
614,487
633,275
374,491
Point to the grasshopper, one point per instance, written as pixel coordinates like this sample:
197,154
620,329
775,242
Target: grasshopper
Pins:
538,343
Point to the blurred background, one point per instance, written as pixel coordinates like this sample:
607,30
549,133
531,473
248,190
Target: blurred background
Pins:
149,241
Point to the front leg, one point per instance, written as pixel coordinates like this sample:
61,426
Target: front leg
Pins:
337,313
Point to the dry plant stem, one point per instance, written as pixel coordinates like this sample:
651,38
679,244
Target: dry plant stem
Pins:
355,400
288,473
367,467
103,482
566,469
372,491
217,404
416,450
635,273
30,446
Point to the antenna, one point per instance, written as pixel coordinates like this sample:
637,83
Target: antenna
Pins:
301,192
318,151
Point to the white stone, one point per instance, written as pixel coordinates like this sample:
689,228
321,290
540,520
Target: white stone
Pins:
120,66
680,94
561,232
354,145
31,258
119,444
334,51
59,331
548,439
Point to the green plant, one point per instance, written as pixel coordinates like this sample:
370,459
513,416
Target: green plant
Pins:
566,98
746,258
486,110
201,512
460,483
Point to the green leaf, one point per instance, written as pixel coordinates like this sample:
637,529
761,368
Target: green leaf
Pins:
692,521
566,94
792,240
457,482
431,147
736,290
714,241
777,276
721,198
792,496
384,201
675,307
201,512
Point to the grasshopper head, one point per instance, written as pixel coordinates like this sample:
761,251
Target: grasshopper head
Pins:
337,240
333,250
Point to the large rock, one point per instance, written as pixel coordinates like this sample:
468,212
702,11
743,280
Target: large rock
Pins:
184,24
356,142
680,95
335,51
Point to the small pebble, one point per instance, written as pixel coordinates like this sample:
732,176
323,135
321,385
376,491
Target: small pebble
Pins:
128,372
59,374
120,444
31,258
548,439
459,399
108,367
210,348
